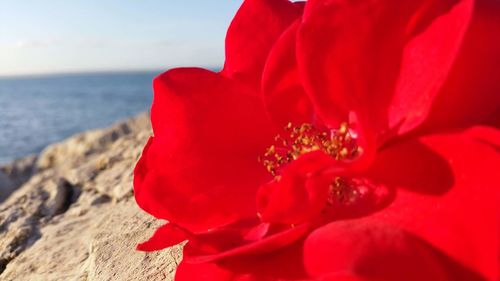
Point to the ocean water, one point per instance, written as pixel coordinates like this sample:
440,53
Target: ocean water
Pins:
37,111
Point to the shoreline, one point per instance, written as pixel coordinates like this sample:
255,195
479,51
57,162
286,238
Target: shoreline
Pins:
74,216
19,170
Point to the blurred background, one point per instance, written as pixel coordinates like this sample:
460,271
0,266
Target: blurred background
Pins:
70,66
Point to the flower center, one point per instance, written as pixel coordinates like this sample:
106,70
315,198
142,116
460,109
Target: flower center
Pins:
340,144
343,190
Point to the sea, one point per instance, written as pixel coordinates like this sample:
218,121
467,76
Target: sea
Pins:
37,111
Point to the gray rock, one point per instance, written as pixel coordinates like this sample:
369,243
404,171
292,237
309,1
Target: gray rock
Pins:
15,174
7,186
20,170
75,217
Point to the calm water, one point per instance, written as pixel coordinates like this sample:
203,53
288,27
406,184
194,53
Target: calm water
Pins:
35,112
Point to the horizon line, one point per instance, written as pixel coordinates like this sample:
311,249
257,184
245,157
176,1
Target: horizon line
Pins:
97,71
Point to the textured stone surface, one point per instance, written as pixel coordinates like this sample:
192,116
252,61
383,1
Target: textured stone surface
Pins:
15,174
75,217
6,186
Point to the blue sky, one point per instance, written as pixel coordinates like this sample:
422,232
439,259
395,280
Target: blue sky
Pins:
58,36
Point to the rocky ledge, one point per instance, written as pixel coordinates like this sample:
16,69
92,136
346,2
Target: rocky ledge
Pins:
70,214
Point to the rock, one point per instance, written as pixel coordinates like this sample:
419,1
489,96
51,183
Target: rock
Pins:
75,217
15,174
99,245
77,148
20,170
62,195
7,186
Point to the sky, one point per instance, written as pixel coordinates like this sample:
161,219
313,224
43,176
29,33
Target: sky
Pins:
61,36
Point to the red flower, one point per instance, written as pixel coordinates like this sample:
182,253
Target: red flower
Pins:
343,140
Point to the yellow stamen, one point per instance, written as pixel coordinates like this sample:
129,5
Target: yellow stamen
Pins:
305,138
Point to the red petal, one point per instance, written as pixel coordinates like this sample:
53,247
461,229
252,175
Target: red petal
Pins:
252,33
384,59
281,264
165,236
341,277
284,96
485,135
376,251
201,169
222,244
414,166
203,272
300,193
461,220
344,276
493,119
427,60
471,92
215,272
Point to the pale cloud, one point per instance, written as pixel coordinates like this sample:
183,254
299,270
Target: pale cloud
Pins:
78,42
31,44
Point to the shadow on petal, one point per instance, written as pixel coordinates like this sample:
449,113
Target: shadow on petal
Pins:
414,166
378,251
